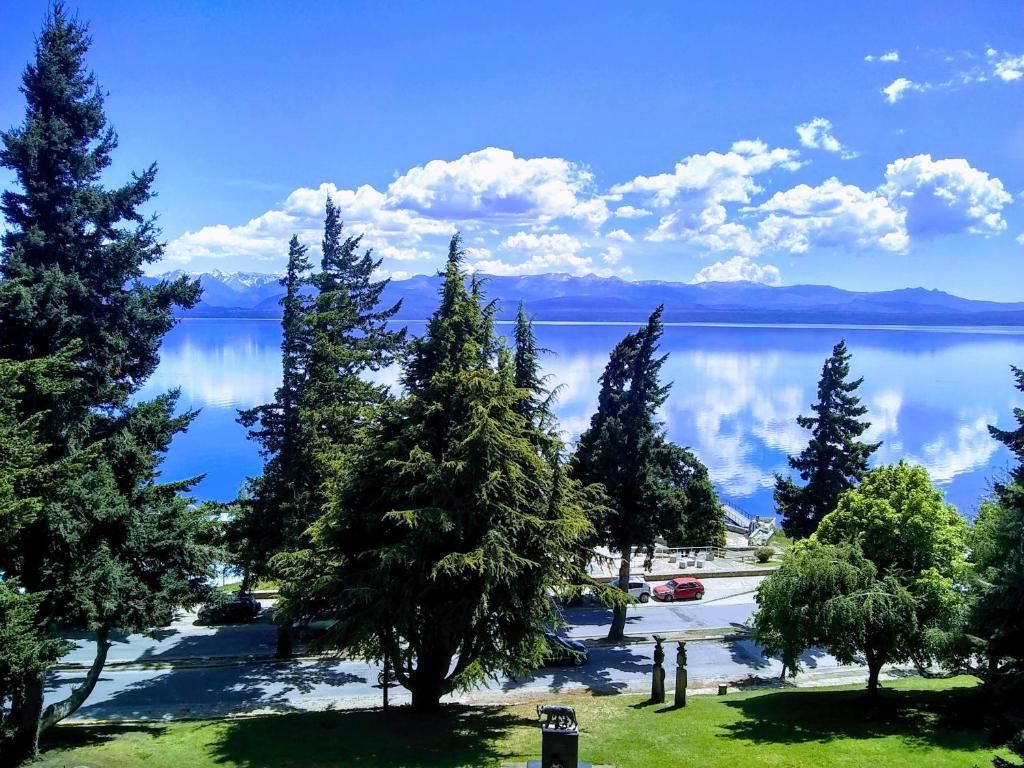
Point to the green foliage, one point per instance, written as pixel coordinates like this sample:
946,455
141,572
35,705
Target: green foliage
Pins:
447,508
107,546
834,460
764,554
654,488
892,555
998,553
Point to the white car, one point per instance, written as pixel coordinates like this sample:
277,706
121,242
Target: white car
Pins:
638,588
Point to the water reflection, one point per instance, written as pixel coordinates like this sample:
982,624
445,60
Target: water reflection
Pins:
736,394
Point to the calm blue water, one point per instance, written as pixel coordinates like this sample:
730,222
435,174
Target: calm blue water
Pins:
736,394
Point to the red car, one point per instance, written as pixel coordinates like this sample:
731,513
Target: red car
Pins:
683,588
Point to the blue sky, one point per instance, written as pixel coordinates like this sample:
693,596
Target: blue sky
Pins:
869,145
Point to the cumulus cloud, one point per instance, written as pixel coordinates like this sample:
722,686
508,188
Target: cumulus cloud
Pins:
946,196
695,192
629,212
817,134
544,253
995,66
494,184
832,214
1020,239
889,56
621,235
738,268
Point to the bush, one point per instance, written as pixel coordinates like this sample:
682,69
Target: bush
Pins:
764,554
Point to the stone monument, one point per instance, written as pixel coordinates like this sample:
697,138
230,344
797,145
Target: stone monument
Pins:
680,700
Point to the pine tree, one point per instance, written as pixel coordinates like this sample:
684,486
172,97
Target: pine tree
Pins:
447,508
834,460
109,547
646,478
999,618
273,499
535,405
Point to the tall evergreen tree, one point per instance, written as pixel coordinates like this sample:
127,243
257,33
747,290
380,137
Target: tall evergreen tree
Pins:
109,547
535,406
999,618
834,459
448,509
646,478
273,499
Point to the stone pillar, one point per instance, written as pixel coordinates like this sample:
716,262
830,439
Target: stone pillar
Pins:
658,683
680,700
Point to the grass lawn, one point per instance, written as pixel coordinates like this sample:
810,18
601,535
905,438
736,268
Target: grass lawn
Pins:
916,723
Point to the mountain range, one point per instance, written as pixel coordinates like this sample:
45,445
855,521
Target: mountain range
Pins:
566,298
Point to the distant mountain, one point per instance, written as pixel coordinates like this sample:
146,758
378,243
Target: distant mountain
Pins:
560,297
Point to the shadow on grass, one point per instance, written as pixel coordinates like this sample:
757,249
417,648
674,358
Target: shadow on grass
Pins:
75,736
455,736
947,719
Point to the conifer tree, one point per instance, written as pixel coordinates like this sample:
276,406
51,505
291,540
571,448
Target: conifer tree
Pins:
999,618
109,547
447,508
834,460
273,499
535,406
646,478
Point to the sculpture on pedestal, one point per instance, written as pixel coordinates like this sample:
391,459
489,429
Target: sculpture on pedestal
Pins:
658,683
680,699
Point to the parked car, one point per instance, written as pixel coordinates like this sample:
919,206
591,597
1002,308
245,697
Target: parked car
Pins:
238,609
683,588
638,588
563,652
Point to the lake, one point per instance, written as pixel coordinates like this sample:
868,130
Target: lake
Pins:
735,397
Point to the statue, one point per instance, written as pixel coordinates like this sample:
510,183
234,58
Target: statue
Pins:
680,698
559,736
658,683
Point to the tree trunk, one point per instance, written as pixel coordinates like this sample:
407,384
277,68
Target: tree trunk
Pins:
26,709
284,640
617,631
874,668
56,712
426,697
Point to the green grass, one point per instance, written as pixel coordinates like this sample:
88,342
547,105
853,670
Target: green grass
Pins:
915,723
780,540
261,586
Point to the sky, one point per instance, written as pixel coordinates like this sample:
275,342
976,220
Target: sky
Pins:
870,146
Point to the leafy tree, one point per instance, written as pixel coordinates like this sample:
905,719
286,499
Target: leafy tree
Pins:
893,555
447,508
831,596
834,460
109,546
651,484
998,553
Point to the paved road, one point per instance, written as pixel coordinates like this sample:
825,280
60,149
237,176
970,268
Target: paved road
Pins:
231,689
728,603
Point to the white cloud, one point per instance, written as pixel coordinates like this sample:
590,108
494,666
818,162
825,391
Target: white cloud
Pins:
817,134
738,268
890,56
494,185
899,87
544,253
831,214
1020,239
699,186
629,212
621,235
1009,68
612,255
945,196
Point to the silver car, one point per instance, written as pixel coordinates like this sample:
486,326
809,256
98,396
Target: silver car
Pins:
638,588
